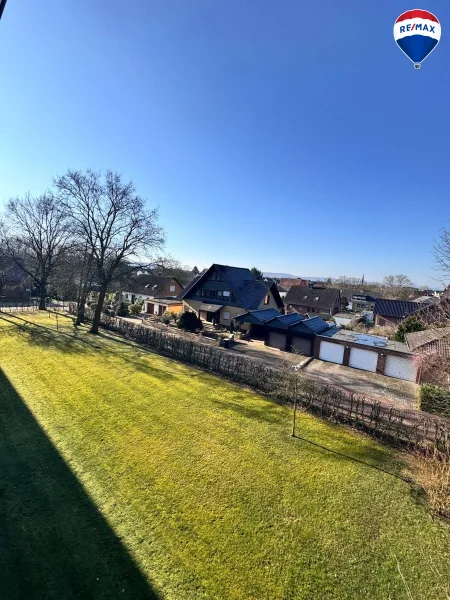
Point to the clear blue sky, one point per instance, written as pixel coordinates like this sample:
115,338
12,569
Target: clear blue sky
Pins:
294,136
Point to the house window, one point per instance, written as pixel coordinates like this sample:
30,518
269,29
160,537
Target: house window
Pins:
381,322
226,294
226,315
172,288
267,299
219,294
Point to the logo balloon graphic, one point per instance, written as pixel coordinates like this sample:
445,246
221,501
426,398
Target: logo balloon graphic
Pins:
417,33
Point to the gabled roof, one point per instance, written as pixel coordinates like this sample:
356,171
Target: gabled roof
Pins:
313,325
322,298
417,339
189,286
241,282
395,308
149,285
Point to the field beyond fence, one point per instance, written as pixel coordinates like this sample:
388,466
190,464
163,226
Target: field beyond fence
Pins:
407,428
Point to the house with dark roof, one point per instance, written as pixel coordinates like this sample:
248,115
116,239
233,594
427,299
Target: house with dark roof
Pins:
157,292
311,302
390,313
358,300
223,292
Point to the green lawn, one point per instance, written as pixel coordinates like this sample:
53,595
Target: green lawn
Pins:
126,475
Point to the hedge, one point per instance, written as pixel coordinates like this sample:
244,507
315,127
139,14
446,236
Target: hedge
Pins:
434,399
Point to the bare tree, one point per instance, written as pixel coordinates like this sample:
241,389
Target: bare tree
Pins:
111,219
35,235
398,286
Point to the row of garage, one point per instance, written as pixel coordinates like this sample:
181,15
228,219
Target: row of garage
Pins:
377,360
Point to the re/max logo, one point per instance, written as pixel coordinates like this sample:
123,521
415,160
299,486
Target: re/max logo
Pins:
417,27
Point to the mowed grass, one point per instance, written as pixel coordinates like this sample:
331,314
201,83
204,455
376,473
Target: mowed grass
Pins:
124,474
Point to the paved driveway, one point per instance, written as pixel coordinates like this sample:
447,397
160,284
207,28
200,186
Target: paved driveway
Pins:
386,389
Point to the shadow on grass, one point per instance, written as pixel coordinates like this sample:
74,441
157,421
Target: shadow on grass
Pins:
380,459
79,341
54,543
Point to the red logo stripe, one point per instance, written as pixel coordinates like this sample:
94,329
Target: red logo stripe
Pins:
417,14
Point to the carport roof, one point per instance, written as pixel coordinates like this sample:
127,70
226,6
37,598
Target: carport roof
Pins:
314,325
258,317
285,321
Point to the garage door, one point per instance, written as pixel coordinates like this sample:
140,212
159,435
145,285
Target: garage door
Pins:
277,340
363,359
331,352
301,345
402,368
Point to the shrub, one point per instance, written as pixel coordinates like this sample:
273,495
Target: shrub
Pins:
136,308
189,322
122,309
433,474
167,317
434,399
409,325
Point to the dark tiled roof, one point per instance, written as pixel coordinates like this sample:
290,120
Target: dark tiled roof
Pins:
258,316
313,325
346,293
330,331
285,321
318,298
189,286
248,290
395,308
149,285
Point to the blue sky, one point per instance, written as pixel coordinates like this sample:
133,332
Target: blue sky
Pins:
294,136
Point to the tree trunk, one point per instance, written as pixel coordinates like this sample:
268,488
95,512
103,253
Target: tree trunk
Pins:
98,310
81,304
42,295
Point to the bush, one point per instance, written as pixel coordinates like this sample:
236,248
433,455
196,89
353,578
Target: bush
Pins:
167,317
136,308
189,322
434,399
409,325
122,309
433,474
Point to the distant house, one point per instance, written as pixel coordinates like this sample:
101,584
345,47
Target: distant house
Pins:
223,292
157,292
288,282
306,301
393,312
358,300
282,291
152,286
426,300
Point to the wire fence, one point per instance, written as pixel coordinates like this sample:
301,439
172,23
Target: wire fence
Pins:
13,306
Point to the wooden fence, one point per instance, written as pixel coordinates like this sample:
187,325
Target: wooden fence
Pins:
409,428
